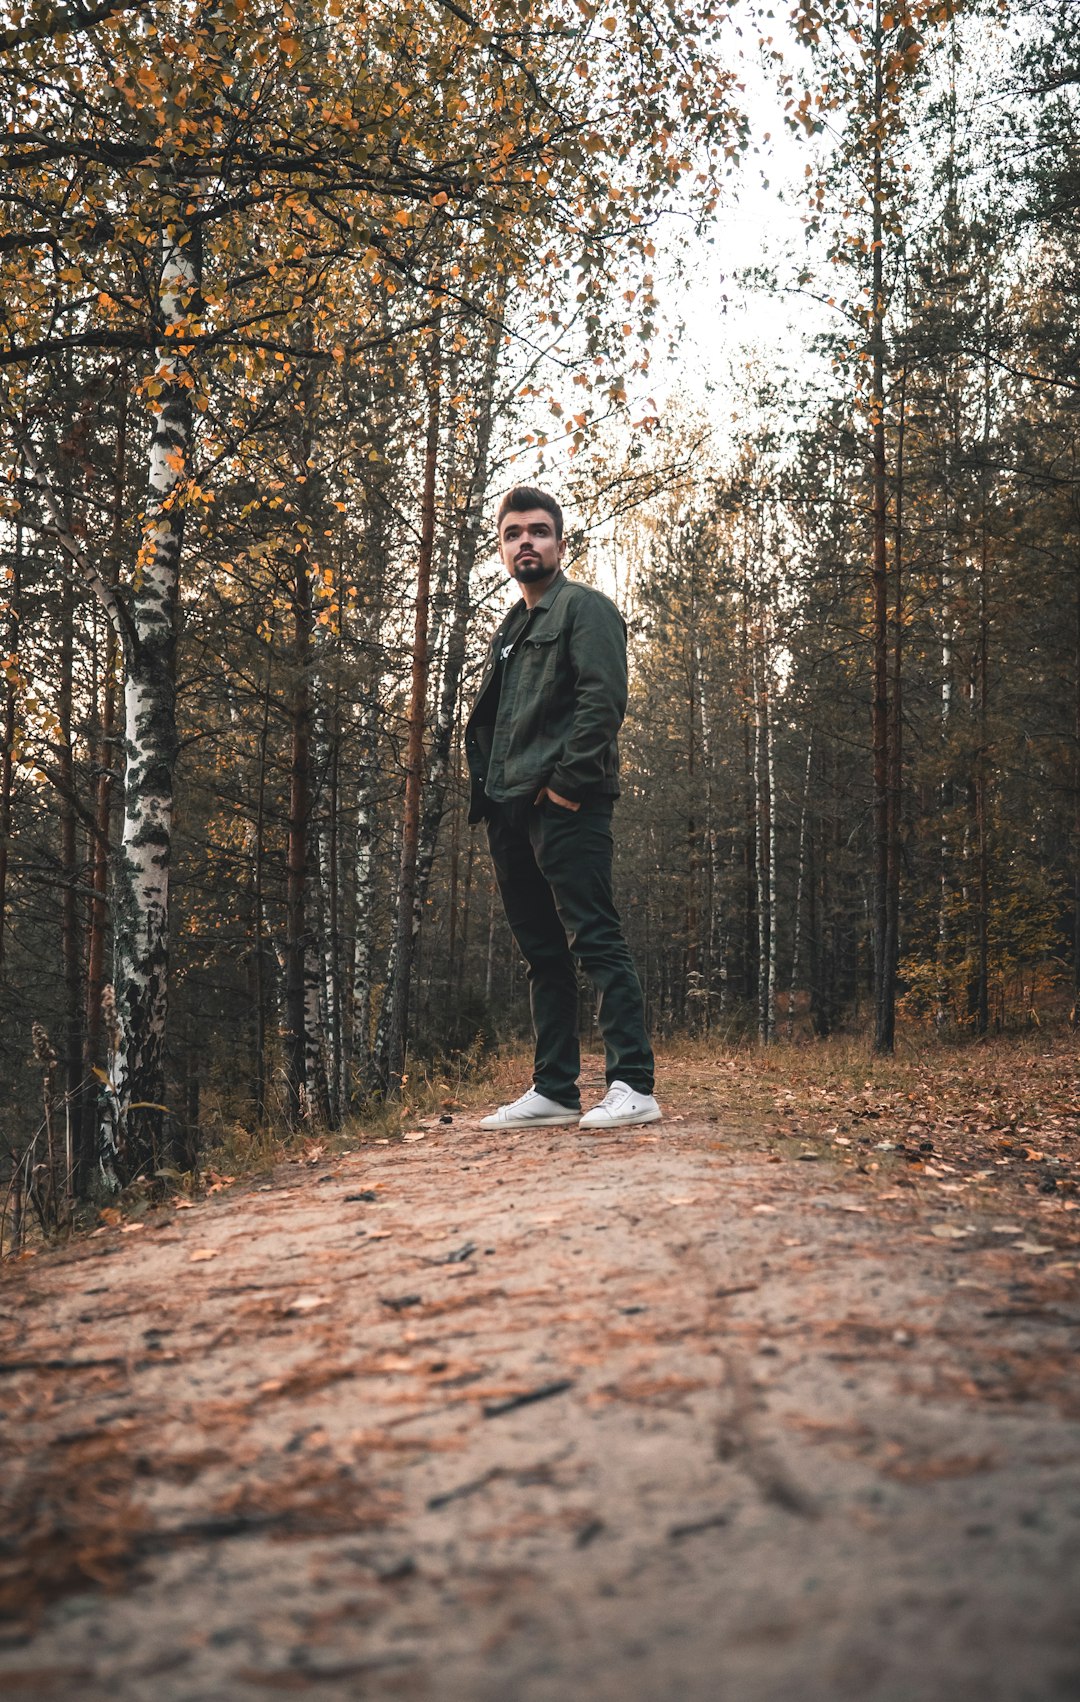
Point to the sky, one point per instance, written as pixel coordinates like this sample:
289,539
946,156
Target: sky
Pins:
724,317
715,318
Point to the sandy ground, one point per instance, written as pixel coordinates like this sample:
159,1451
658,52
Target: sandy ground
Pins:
657,1416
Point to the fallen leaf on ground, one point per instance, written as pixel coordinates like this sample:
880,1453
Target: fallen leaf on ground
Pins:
201,1253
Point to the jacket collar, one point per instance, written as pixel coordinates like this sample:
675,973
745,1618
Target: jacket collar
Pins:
552,591
545,601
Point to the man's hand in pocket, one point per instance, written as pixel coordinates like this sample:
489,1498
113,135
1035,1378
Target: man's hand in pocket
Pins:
563,803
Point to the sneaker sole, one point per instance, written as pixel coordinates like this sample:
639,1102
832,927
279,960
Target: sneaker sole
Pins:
620,1122
550,1122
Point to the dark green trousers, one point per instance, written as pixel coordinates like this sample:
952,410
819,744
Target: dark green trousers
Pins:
553,867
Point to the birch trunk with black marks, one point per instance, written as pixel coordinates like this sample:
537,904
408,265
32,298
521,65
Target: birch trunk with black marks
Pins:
304,1059
296,867
362,1056
942,1002
325,815
707,842
748,953
361,1061
691,988
104,756
10,720
133,1127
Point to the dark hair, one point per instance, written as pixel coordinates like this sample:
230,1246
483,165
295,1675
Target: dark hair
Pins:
524,497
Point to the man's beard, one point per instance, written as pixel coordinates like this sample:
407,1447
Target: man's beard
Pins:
528,572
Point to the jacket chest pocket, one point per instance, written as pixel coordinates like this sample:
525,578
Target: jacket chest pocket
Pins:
539,655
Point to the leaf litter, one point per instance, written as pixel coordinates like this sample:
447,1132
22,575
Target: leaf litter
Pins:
251,1433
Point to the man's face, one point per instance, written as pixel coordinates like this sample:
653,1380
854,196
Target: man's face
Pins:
528,545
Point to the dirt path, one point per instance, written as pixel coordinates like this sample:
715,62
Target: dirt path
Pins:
647,1417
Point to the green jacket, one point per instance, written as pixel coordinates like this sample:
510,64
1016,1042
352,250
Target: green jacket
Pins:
570,698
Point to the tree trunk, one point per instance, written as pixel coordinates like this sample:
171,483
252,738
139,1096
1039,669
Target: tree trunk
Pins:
800,883
884,971
392,1054
71,952
133,1127
259,946
10,723
104,759
692,964
981,1001
942,1000
306,1085
774,930
1076,800
363,968
296,856
434,797
327,752
748,955
895,769
764,846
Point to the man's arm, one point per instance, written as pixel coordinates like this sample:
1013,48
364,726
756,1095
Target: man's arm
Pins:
597,654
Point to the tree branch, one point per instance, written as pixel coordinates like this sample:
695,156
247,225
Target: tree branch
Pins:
111,602
66,20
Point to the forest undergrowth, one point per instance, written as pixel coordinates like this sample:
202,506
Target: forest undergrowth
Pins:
1003,1114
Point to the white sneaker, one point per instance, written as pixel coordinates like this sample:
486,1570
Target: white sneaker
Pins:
622,1104
532,1111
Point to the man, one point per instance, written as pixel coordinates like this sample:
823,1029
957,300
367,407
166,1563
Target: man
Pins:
541,747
